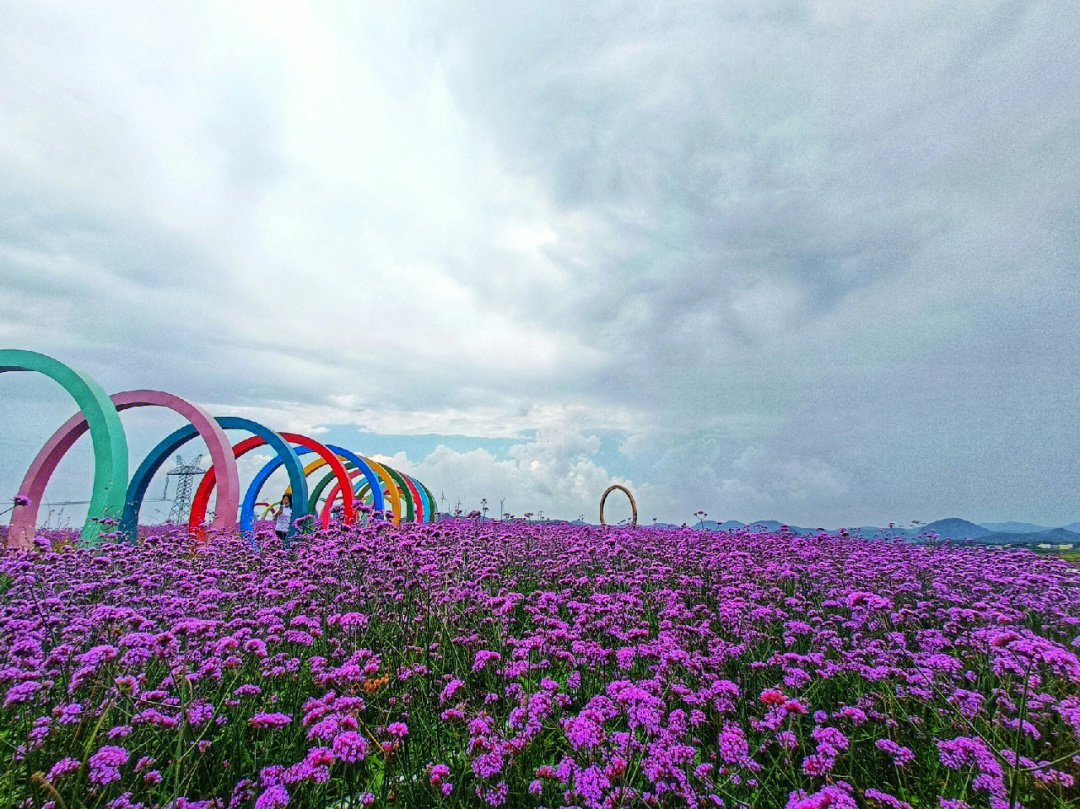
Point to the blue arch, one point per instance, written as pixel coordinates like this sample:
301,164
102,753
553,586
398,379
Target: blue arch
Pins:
362,465
263,474
168,445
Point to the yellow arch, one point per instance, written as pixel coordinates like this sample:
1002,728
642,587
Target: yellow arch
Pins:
391,486
380,472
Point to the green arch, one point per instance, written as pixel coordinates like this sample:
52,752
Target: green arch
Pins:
313,501
406,493
106,434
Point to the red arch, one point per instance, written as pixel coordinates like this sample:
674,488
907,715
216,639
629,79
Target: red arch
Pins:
329,501
418,501
201,500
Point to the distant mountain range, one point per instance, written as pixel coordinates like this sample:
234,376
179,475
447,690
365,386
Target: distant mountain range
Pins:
1006,533
1015,527
991,533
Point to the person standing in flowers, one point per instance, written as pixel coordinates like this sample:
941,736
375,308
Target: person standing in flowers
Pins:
283,517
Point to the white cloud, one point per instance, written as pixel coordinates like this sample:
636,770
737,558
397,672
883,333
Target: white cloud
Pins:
787,253
556,472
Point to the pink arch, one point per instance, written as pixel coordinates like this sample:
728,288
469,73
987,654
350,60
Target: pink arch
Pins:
24,518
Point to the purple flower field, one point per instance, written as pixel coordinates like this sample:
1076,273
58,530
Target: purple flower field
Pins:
473,663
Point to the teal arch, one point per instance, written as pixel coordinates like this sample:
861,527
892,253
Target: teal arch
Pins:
106,434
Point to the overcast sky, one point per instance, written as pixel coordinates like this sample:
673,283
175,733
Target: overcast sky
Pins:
810,261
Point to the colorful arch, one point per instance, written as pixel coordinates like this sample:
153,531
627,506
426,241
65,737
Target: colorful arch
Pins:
106,434
426,512
418,500
361,488
353,461
200,423
429,503
406,491
298,490
388,481
308,469
431,499
363,491
378,473
259,481
202,495
325,481
115,499
171,443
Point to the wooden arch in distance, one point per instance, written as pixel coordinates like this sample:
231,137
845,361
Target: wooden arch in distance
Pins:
626,491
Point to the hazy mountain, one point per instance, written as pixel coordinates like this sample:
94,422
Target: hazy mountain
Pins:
774,525
762,525
1052,536
1013,527
871,531
955,528
768,525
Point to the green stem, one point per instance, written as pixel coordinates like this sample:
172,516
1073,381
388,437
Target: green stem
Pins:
1016,744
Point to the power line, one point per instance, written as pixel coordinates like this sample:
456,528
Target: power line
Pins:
87,502
26,442
185,474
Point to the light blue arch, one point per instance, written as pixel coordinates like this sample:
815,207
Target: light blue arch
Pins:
429,507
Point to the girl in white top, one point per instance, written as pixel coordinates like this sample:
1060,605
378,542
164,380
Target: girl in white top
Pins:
284,517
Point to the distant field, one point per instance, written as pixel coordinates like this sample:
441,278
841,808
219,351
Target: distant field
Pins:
485,664
1072,555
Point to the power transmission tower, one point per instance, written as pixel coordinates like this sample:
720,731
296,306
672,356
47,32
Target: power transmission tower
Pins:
184,473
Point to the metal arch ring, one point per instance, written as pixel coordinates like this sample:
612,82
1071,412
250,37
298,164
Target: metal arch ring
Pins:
112,502
626,491
106,434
